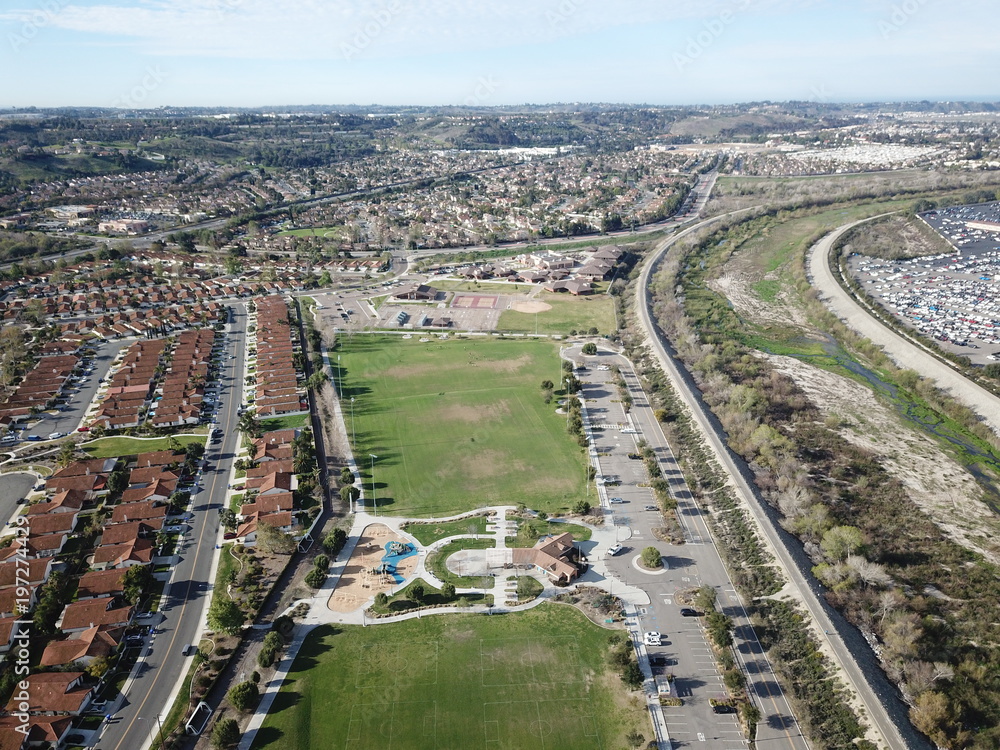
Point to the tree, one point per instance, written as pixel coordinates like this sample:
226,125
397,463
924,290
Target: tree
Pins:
225,615
265,657
381,599
322,562
841,541
448,591
273,541
652,558
632,676
99,667
581,507
67,452
334,542
315,578
137,580
244,696
590,348
349,494
415,593
547,385
227,517
118,481
346,476
225,734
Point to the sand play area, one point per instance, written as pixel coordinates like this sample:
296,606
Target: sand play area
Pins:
360,581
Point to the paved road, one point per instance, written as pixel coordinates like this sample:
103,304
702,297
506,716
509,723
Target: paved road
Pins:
881,700
149,694
905,352
13,487
695,563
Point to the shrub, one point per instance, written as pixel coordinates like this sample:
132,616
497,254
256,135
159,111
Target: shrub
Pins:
315,578
225,734
265,658
244,696
652,558
632,676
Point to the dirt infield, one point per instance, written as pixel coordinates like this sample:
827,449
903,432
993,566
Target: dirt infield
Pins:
476,301
357,583
530,306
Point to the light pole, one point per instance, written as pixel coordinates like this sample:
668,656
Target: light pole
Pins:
374,504
159,726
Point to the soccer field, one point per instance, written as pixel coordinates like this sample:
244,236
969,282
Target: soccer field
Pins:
537,680
458,424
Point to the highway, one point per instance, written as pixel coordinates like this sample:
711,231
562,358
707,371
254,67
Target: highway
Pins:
163,664
884,709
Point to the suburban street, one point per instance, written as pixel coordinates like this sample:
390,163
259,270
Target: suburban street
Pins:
150,691
687,566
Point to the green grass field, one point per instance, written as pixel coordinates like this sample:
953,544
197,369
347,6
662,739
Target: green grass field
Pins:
125,446
428,533
458,424
568,313
537,680
290,422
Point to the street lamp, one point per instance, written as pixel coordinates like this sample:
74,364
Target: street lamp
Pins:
158,724
374,504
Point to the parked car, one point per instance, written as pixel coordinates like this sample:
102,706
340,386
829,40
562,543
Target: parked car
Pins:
614,550
616,501
688,612
651,638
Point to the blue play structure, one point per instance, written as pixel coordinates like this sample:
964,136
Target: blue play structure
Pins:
394,553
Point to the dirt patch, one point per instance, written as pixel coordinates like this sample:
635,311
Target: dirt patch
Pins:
737,285
937,484
475,414
507,365
530,306
358,584
489,463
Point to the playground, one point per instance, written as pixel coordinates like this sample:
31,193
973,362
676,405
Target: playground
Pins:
381,561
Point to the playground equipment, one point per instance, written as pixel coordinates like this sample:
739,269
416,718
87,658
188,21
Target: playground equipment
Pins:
395,549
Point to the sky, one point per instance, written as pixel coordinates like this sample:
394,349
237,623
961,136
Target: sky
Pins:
246,53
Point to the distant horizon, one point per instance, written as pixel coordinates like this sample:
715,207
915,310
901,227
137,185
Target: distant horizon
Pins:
526,105
144,54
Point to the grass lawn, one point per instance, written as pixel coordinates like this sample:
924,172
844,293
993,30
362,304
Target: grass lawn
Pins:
291,422
401,602
568,313
437,564
535,680
229,567
459,424
126,446
428,533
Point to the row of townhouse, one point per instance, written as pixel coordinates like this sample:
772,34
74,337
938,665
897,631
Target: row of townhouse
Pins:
40,387
182,392
269,486
277,389
131,386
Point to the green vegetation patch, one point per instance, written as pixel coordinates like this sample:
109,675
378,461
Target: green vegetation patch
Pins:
428,533
568,313
536,679
459,424
290,422
531,530
437,563
111,447
330,233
